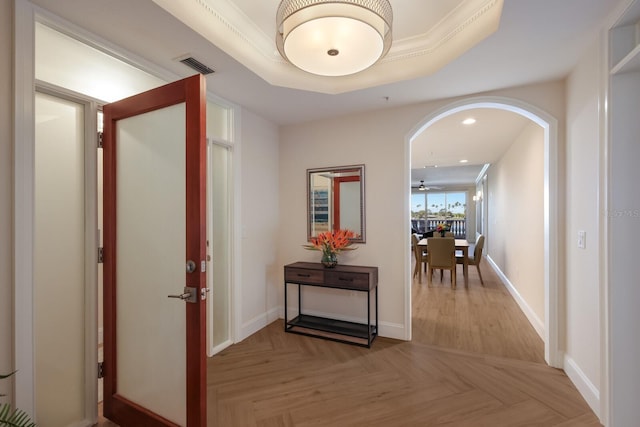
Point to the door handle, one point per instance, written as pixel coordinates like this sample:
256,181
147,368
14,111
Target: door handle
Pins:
186,295
189,295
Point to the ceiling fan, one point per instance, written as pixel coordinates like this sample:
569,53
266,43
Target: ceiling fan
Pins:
423,187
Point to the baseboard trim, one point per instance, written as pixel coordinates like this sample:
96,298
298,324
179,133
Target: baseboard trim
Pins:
394,331
537,324
218,348
254,325
586,388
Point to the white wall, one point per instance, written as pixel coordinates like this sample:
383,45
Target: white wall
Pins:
259,189
6,185
623,220
376,139
624,270
516,209
582,352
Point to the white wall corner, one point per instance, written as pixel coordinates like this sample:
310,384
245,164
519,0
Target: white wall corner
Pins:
535,321
395,331
586,388
254,325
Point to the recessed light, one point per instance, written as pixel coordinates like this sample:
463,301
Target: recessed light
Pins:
464,161
469,121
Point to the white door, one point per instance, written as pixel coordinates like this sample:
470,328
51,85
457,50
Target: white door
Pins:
64,262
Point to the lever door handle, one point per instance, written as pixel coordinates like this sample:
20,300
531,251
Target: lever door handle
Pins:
188,294
183,296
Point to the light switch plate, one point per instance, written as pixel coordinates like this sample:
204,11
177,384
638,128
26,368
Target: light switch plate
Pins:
582,239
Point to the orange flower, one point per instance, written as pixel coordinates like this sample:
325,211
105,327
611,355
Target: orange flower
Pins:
332,241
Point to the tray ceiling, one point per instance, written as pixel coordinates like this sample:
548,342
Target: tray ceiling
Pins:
426,36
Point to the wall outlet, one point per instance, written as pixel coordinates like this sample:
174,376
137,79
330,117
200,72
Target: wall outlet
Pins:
582,239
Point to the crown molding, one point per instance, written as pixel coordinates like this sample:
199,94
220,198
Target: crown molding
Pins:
227,27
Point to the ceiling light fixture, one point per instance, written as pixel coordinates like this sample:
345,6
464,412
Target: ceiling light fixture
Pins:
469,121
422,187
333,37
464,161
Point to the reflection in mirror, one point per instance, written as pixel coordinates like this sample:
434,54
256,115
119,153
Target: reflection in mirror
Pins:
335,200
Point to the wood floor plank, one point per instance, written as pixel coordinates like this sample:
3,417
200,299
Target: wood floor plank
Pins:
412,410
584,420
528,413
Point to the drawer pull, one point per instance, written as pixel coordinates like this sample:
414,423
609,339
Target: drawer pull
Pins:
346,279
303,275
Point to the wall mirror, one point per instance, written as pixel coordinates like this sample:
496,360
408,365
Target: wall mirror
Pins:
335,200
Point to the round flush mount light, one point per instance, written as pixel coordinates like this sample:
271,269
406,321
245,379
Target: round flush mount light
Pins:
469,121
333,37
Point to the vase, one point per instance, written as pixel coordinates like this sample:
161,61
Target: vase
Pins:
442,233
329,259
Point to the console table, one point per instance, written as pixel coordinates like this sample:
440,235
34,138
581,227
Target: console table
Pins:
347,277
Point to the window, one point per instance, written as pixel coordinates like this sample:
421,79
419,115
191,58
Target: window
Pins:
430,208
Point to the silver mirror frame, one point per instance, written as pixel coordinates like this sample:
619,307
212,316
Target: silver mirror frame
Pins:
337,169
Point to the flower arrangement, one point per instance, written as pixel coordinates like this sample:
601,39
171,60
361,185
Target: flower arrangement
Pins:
331,243
443,227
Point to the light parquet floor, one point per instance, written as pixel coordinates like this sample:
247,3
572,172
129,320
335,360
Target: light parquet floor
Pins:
474,361
278,379
478,319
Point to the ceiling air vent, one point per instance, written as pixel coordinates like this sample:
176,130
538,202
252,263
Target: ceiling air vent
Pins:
196,65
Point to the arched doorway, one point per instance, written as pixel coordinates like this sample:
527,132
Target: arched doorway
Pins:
550,196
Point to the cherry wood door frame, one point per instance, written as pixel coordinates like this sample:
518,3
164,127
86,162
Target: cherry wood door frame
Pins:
337,181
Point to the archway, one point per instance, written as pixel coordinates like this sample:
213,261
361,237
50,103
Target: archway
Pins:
552,326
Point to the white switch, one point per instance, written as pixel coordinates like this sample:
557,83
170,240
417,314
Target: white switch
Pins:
582,239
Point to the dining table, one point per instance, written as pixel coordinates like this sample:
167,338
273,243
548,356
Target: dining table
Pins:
461,245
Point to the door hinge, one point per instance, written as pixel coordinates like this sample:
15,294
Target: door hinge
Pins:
100,370
100,143
100,255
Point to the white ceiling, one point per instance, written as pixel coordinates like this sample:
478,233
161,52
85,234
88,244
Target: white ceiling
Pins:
427,35
537,41
437,153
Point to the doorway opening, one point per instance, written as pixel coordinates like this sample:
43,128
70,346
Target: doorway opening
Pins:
551,322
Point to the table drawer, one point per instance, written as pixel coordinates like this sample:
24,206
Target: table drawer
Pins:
302,275
347,280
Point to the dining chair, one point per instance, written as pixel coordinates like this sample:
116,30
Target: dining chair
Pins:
441,254
477,256
421,257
